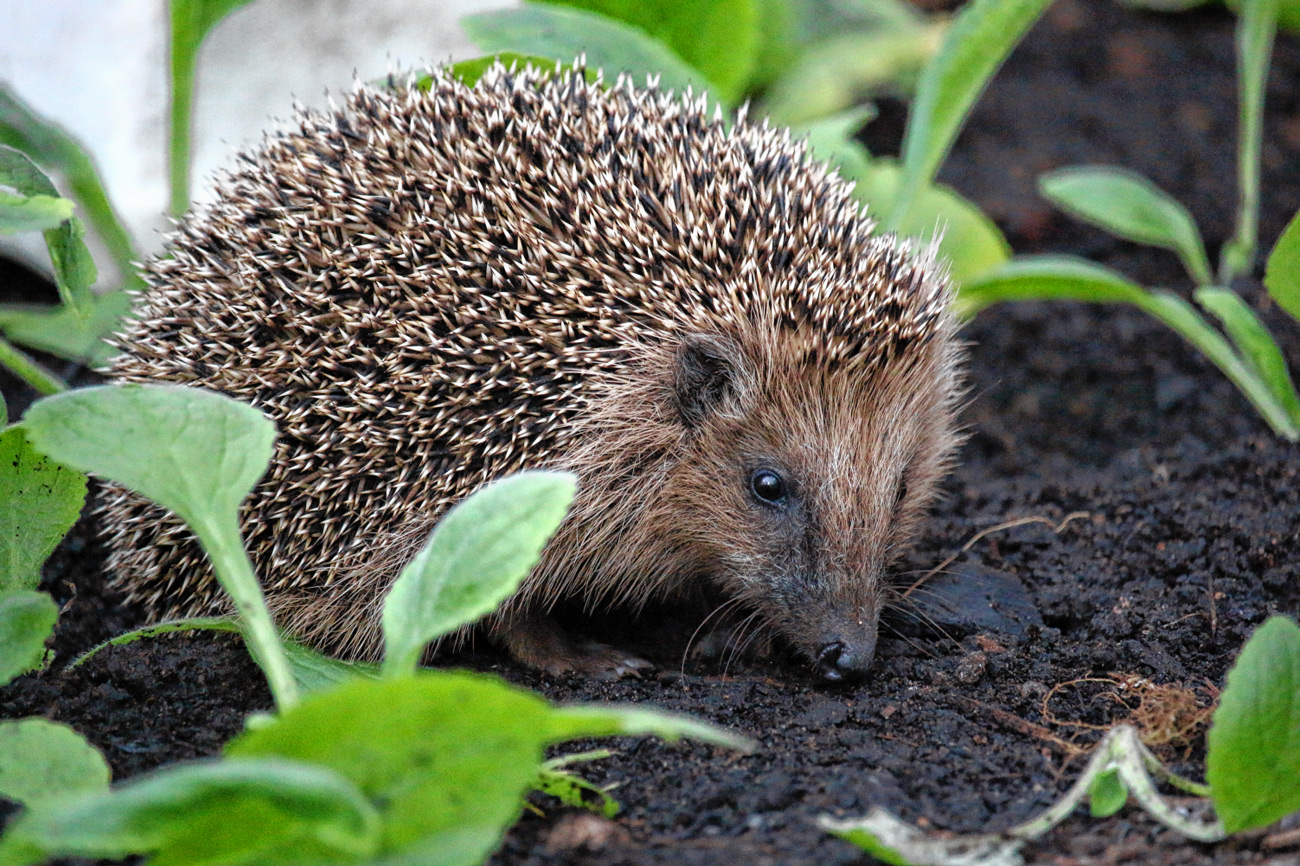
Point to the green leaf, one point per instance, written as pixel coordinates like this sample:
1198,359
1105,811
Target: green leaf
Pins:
1062,278
575,792
1282,274
19,213
563,34
26,621
842,71
612,720
68,334
970,241
50,145
1288,13
43,761
193,452
475,559
74,269
190,22
1128,205
1253,758
439,751
266,811
1256,28
470,71
717,37
1254,343
979,40
39,502
1107,794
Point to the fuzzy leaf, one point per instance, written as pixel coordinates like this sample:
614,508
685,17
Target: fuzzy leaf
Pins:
475,559
232,812
1282,274
563,34
717,37
1128,205
60,331
1253,759
26,620
204,451
36,213
39,502
43,761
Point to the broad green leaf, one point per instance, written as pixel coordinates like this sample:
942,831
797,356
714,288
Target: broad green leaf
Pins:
1107,794
475,559
1061,278
1126,204
60,331
190,22
1256,28
197,623
1253,759
1282,275
26,620
470,71
36,213
39,502
564,34
842,71
42,761
831,139
265,811
979,40
193,452
74,269
50,145
717,37
969,240
1254,343
439,751
555,779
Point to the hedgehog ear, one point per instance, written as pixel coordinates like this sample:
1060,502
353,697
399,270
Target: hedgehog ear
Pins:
708,371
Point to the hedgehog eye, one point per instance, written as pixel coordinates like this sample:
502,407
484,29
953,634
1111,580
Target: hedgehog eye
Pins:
769,487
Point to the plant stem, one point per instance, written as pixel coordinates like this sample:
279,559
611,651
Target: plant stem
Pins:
27,369
1256,26
221,539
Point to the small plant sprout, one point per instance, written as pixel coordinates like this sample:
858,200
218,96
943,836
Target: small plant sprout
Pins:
1131,207
1252,772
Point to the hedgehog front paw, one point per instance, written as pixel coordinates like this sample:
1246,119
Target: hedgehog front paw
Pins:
541,644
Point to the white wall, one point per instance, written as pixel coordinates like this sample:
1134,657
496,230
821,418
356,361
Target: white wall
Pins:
98,68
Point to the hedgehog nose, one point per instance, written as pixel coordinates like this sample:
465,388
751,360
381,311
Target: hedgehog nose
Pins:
838,662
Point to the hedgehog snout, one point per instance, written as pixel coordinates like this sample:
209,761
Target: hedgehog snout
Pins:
846,660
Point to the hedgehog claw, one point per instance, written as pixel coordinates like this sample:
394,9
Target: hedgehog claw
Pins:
541,644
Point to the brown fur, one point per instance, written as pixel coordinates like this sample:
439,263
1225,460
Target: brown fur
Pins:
425,297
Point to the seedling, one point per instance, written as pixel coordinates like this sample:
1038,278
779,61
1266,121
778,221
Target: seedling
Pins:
1131,207
412,765
1252,771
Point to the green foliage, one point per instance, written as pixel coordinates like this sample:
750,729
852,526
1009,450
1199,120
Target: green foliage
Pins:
1129,206
51,146
78,336
43,762
193,452
555,780
265,811
1253,759
470,71
26,621
1107,794
475,559
39,502
1282,274
979,40
191,20
74,269
719,38
561,33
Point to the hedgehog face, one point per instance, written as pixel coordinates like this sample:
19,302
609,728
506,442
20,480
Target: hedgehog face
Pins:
802,484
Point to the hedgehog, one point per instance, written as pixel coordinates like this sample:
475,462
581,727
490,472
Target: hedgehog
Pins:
434,286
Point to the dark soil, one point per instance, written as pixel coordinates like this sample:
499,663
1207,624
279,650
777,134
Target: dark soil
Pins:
1167,531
